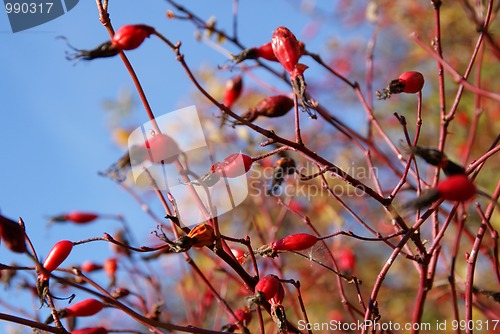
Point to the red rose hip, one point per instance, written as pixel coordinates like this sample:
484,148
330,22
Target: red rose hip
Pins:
273,106
234,165
286,48
457,188
162,148
85,308
232,90
78,217
131,36
56,256
268,286
294,242
409,82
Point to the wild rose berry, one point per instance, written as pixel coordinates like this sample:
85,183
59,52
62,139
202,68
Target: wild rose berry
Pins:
85,308
59,252
264,51
458,188
267,286
110,266
232,90
239,254
294,242
162,149
89,267
286,48
279,296
288,52
273,106
78,217
234,165
243,315
91,330
409,82
131,36
12,235
346,259
128,37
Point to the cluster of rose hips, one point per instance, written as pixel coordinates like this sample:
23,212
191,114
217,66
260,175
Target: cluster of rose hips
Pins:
160,148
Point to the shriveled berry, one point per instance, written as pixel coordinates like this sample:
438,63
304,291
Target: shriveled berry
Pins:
12,235
437,158
273,106
202,235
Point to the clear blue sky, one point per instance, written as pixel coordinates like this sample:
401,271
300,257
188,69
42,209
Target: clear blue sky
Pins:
54,136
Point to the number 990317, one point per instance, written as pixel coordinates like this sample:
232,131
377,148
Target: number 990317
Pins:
28,7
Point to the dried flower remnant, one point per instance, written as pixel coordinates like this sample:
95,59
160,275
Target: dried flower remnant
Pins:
437,158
